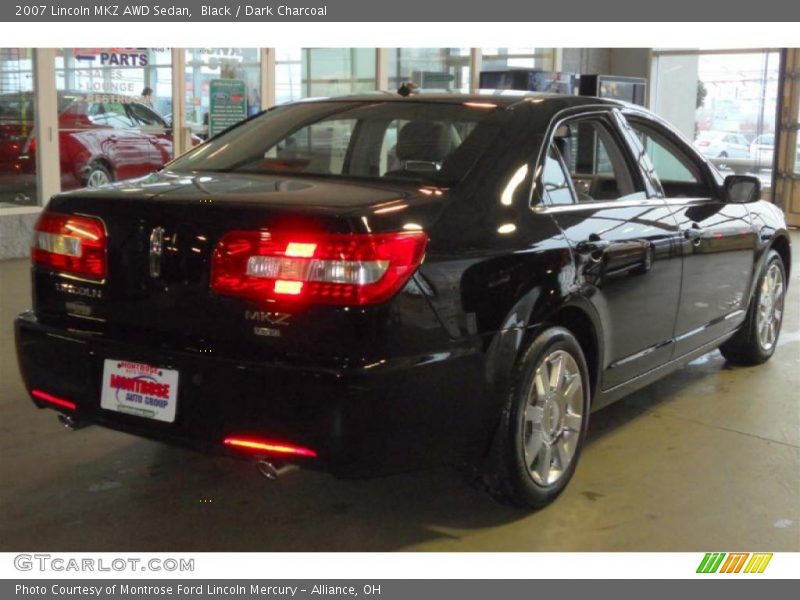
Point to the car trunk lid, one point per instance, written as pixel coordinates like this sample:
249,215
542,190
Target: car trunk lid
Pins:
162,231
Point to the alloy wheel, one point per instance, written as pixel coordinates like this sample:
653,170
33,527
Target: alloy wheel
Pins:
97,178
553,418
770,307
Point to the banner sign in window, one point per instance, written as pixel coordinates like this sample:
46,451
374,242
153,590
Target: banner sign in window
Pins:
227,104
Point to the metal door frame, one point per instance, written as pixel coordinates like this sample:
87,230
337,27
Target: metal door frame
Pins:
787,167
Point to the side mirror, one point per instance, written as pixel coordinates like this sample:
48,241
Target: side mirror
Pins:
742,188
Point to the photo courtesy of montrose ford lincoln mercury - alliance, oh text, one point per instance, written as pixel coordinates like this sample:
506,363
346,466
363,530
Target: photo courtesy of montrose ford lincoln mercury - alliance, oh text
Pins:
378,283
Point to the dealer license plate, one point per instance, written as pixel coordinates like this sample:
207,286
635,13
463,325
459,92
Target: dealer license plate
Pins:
139,389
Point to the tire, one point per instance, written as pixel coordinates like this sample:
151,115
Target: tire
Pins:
99,174
757,338
541,433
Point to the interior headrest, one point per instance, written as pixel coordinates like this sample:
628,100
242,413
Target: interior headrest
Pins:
424,141
563,147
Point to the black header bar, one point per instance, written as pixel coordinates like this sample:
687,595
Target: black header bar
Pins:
489,11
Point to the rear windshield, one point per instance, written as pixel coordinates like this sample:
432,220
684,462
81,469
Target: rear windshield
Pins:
433,142
19,107
16,107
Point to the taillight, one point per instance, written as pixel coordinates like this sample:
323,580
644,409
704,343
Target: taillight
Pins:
268,446
44,396
343,269
71,244
704,143
30,146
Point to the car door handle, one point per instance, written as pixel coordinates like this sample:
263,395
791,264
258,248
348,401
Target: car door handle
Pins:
593,246
112,138
695,232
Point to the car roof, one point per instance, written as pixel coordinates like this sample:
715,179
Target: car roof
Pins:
505,98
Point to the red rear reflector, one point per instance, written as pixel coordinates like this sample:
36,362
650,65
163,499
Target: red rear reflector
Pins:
704,143
258,445
343,269
70,244
44,396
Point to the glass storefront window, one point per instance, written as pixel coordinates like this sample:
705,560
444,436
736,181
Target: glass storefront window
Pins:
502,59
206,65
430,69
17,170
114,113
725,102
315,72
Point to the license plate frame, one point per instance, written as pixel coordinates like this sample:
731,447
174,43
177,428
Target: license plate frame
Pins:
139,389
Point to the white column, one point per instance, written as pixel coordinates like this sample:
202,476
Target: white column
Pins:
267,78
48,170
381,69
181,134
558,59
475,60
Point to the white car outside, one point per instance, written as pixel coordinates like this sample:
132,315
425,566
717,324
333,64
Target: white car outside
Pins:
762,149
722,144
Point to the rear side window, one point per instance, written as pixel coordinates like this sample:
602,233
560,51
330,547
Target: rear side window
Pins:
555,180
596,161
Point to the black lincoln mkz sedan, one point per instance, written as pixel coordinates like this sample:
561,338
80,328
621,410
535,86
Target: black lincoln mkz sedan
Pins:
377,283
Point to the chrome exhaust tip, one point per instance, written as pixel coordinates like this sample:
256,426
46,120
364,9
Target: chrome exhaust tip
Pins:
70,422
267,469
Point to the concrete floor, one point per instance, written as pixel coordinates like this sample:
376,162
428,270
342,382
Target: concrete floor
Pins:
707,459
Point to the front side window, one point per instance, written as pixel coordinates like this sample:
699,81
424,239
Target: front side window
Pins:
111,114
678,173
144,116
596,161
416,141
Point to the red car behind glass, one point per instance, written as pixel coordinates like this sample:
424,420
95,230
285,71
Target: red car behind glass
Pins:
99,142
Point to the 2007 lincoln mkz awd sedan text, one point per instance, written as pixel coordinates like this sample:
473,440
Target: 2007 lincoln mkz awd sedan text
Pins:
376,283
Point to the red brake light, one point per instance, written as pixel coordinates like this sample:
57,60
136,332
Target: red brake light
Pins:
268,446
70,244
30,146
343,269
44,396
704,143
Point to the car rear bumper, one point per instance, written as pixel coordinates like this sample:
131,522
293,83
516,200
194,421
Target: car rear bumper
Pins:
361,421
